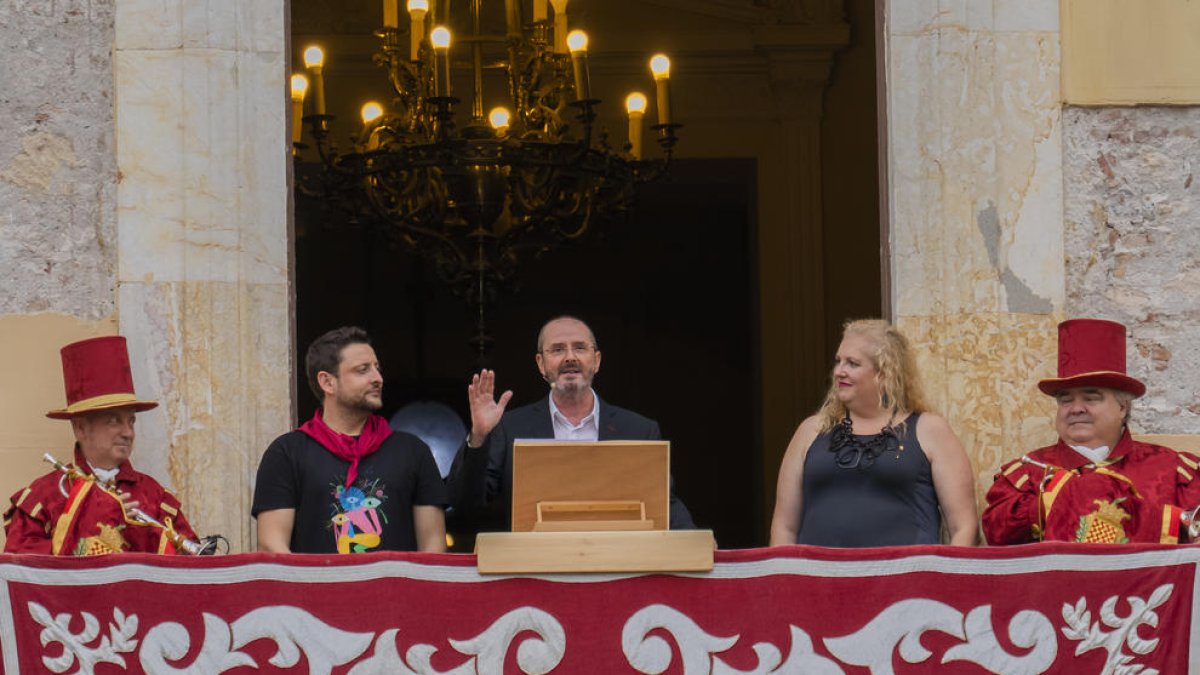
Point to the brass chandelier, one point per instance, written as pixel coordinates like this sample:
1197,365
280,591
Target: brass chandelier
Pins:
476,198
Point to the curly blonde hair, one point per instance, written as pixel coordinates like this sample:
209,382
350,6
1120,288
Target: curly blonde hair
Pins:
896,373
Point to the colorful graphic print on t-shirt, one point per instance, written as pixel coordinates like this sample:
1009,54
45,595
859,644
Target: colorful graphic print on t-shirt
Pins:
356,519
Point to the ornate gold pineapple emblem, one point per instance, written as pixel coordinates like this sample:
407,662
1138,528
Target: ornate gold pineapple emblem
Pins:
1103,526
109,540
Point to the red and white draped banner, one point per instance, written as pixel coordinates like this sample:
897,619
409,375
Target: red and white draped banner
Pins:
1050,608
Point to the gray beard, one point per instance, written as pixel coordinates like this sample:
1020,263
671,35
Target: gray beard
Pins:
569,386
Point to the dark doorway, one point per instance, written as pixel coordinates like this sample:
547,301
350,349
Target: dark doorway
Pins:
671,296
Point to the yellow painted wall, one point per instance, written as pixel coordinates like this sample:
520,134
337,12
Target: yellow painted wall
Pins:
30,384
1126,52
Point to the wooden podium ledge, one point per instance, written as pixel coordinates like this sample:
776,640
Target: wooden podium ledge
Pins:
620,551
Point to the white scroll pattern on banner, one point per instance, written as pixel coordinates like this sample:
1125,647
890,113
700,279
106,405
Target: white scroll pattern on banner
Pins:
898,629
895,630
295,632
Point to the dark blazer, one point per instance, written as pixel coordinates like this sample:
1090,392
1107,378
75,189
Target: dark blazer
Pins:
481,482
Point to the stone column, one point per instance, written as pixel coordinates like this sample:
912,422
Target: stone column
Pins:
975,208
203,242
799,59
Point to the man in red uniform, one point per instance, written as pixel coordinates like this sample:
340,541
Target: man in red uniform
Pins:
92,508
1096,484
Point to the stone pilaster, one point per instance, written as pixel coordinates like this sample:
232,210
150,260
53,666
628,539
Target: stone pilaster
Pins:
975,199
203,235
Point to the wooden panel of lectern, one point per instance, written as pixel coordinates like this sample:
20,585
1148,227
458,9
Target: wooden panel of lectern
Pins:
600,506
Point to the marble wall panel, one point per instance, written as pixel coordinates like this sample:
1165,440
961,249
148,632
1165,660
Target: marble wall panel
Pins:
148,24
219,355
1132,233
980,370
262,191
910,17
977,113
209,161
151,198
200,24
204,241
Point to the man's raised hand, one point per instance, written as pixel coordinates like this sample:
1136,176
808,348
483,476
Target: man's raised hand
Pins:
486,410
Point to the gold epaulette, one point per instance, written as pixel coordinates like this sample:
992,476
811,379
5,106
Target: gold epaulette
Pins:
1012,468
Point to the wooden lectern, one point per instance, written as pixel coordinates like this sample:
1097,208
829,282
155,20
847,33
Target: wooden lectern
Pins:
601,506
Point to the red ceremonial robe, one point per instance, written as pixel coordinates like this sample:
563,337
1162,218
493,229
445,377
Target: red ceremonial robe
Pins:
1055,493
90,520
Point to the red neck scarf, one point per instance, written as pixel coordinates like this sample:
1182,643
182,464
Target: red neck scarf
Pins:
349,448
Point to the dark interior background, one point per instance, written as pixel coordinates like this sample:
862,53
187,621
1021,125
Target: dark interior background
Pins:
673,295
670,296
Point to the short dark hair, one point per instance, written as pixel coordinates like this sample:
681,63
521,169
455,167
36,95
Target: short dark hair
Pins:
325,354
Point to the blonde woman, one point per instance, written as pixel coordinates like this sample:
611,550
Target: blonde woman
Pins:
873,467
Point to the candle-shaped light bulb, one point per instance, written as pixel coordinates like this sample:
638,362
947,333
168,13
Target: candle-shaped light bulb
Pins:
499,118
314,57
391,14
577,42
314,60
299,89
660,66
635,105
417,9
371,111
560,25
439,38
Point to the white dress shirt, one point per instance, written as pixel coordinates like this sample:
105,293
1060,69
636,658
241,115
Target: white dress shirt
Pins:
588,428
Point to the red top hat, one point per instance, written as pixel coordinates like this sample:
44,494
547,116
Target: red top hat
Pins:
1091,353
97,377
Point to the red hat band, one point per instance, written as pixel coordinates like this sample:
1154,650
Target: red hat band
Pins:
1091,353
96,375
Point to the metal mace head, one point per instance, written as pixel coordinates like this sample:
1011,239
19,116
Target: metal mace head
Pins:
1191,523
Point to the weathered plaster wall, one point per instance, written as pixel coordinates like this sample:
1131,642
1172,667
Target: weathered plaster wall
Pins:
58,180
58,172
975,192
1132,242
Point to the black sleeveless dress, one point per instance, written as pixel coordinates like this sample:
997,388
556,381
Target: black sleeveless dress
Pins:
851,499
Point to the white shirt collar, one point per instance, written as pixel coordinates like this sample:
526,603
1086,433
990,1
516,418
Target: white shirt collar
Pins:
106,476
1096,455
588,427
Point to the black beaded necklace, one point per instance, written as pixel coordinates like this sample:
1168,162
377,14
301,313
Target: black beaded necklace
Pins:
860,452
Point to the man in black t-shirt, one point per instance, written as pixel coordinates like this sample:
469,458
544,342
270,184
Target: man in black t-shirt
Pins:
344,482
